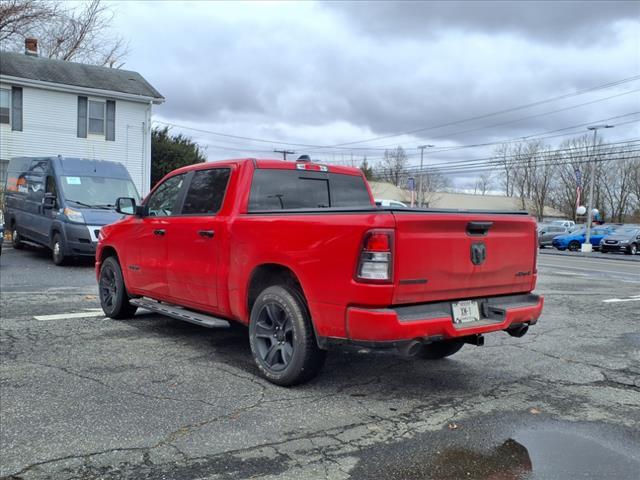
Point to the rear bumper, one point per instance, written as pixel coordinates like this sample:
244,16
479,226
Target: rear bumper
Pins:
433,321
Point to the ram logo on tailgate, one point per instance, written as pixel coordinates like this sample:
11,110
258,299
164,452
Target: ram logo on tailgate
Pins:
478,253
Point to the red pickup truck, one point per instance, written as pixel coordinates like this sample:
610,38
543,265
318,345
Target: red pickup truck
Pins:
299,253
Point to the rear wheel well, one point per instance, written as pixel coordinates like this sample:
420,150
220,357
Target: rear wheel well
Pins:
271,274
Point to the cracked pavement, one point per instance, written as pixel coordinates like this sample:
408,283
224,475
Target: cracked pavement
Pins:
151,398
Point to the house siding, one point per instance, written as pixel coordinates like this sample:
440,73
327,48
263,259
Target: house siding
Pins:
50,128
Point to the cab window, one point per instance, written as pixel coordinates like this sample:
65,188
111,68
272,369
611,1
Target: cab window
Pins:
164,200
206,191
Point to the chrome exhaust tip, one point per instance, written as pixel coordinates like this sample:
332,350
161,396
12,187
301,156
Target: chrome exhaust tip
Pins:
410,349
518,330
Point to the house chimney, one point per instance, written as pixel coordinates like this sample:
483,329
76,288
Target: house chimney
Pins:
31,46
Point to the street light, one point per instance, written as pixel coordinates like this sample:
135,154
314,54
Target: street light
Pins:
586,246
421,147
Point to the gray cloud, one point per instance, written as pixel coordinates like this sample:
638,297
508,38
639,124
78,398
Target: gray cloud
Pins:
326,74
558,21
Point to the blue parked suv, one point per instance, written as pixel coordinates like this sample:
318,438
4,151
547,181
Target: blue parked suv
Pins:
572,241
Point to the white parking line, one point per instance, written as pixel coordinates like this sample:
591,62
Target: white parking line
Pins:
592,270
617,300
91,312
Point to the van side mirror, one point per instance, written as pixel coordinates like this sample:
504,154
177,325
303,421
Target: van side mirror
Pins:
49,200
126,205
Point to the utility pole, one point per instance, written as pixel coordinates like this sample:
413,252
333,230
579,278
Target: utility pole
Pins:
285,153
420,197
586,246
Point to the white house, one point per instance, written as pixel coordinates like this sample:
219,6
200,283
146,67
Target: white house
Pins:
53,107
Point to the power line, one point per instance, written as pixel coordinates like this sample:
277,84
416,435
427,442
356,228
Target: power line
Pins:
604,147
499,112
314,146
536,136
545,159
541,135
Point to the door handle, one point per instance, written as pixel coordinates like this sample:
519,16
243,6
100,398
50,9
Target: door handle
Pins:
206,233
159,232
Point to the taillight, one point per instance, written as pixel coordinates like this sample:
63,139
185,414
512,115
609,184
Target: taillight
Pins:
376,257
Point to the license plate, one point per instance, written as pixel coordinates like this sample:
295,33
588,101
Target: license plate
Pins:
465,311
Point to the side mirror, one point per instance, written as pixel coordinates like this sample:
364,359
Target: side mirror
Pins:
49,200
126,205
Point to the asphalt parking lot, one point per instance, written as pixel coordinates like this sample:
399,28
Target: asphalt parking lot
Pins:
87,397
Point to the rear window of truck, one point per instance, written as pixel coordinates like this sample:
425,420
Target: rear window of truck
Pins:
295,189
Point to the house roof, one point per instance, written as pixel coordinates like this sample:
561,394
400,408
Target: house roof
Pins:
75,74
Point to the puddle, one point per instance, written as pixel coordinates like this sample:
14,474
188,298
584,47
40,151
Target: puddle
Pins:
530,454
559,455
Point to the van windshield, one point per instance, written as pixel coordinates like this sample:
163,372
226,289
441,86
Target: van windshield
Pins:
97,191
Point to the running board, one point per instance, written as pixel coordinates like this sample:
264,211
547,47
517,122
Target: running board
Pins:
180,313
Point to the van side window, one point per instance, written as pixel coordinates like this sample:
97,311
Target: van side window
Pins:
51,185
206,191
35,186
164,200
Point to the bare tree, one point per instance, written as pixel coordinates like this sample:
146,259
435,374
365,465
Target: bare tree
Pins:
432,183
393,166
64,31
617,181
483,183
542,177
19,17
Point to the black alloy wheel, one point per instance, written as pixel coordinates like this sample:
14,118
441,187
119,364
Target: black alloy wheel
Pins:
281,336
114,299
274,336
108,288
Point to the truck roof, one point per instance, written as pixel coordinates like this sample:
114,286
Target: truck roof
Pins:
277,164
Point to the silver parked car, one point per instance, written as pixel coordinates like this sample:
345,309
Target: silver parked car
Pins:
546,232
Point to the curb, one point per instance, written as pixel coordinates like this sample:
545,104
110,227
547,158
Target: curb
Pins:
597,256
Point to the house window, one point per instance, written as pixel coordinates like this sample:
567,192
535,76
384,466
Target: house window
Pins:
5,106
96,117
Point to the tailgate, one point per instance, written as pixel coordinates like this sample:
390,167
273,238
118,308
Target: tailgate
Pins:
442,256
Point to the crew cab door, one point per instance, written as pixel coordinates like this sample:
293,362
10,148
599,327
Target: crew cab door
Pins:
146,262
194,239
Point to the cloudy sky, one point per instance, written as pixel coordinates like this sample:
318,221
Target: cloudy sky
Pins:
336,79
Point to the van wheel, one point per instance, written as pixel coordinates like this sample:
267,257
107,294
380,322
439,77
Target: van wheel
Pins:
436,350
114,299
57,250
16,239
282,339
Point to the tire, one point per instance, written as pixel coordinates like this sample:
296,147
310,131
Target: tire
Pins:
282,339
573,246
437,350
57,250
633,249
114,299
16,239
